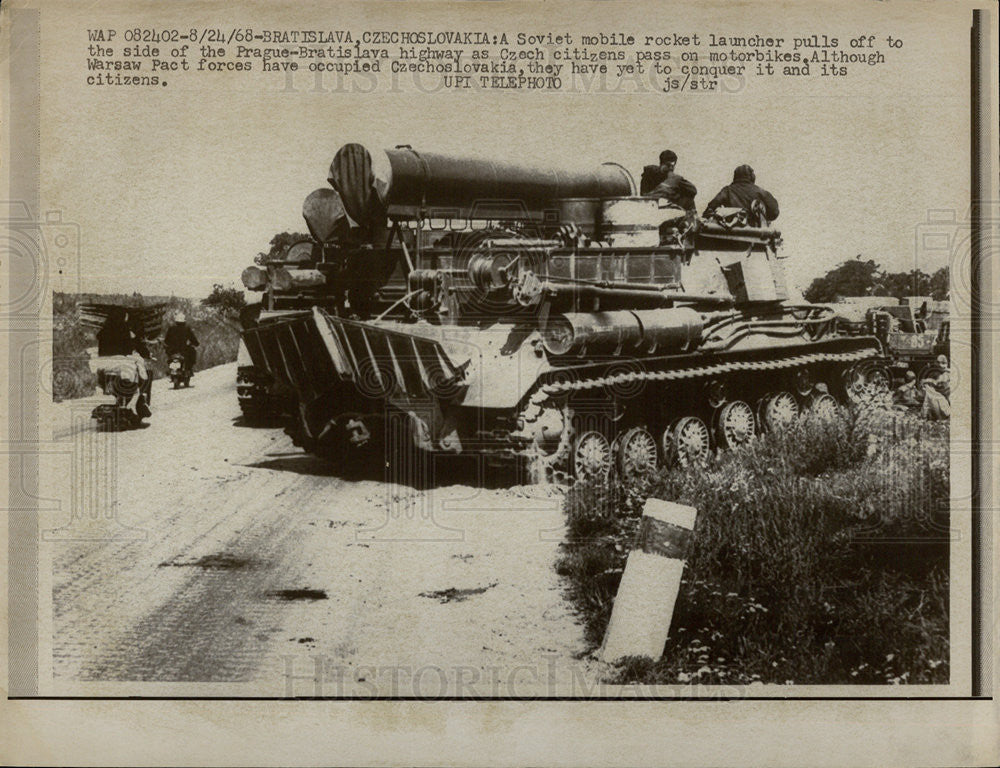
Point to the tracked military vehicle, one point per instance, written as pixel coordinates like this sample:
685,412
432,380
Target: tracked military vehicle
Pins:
538,315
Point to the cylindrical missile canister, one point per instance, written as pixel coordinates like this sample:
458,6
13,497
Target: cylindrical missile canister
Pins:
299,253
647,593
663,331
634,221
254,278
670,330
597,331
325,215
286,279
369,182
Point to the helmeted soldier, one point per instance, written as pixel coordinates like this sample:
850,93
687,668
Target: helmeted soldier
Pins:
744,193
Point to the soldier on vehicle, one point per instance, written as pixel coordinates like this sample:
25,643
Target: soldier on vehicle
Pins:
745,194
662,183
180,338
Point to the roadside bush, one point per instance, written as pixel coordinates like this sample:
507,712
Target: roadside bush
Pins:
820,555
71,376
229,301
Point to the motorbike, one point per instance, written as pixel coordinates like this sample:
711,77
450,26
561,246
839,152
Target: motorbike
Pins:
124,388
179,370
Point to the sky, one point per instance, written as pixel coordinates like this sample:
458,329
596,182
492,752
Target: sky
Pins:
175,189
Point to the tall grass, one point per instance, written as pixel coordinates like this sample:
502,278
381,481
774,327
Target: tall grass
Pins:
820,555
217,332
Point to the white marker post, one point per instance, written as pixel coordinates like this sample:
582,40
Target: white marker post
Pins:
644,606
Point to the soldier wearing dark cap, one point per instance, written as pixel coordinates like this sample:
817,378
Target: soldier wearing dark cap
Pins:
743,193
661,183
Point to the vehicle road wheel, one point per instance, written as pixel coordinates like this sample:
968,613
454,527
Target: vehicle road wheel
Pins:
929,373
688,441
867,382
636,455
735,425
778,411
824,407
591,456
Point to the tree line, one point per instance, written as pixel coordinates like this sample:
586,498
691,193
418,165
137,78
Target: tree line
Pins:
866,278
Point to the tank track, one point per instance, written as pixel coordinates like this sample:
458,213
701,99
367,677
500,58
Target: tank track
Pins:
717,369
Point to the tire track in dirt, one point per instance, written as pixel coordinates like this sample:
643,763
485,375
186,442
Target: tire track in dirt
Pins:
234,516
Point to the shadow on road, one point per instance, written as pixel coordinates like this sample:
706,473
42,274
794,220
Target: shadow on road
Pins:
434,472
257,422
299,463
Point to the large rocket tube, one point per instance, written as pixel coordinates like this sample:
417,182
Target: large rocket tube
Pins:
369,182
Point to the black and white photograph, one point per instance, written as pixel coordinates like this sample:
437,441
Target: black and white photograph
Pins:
516,354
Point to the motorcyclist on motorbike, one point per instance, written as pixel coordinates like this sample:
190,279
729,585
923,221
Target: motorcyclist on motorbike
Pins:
116,340
181,339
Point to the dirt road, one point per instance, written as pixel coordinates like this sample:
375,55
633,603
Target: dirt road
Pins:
240,559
